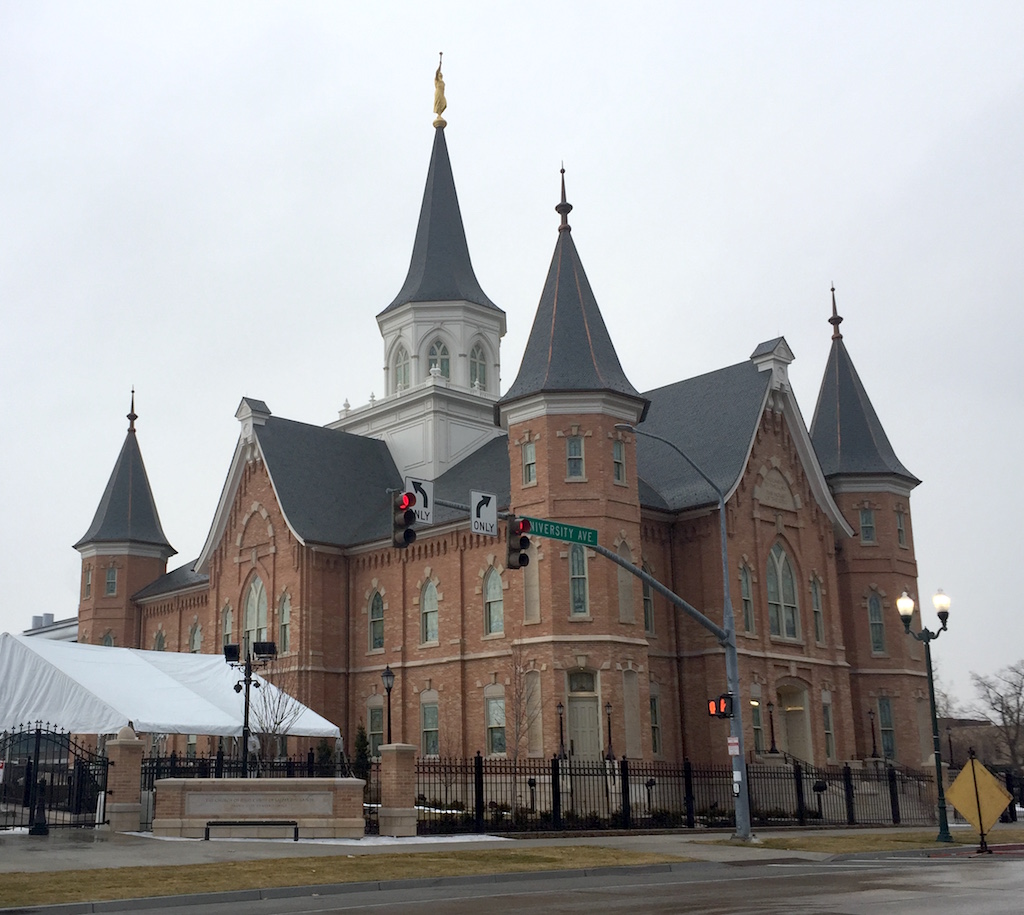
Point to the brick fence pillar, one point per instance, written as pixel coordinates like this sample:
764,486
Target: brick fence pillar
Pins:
397,789
124,782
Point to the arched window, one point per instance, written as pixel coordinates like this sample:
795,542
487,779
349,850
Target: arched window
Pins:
401,369
228,623
578,591
478,367
376,621
783,615
108,639
627,614
876,622
494,612
747,599
438,357
818,610
284,634
255,614
494,718
159,641
195,639
648,604
430,725
428,613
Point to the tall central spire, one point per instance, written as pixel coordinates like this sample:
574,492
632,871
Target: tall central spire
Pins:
440,269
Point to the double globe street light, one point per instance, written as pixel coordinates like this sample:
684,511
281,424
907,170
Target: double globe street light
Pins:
905,607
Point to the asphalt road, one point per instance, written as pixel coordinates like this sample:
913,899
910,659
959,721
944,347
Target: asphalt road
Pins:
909,885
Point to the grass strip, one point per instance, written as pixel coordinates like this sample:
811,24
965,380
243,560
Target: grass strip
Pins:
22,888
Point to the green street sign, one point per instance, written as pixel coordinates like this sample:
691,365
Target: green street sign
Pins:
555,530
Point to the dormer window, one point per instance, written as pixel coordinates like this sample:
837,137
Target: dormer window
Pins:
477,368
438,358
401,369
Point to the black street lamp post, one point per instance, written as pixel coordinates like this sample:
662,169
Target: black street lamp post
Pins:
874,746
608,711
905,607
949,740
771,725
258,655
387,676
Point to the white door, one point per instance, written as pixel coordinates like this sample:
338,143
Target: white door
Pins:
584,728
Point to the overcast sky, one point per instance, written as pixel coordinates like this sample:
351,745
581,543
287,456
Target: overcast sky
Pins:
210,201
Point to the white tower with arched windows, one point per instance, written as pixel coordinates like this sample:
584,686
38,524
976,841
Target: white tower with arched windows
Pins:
442,336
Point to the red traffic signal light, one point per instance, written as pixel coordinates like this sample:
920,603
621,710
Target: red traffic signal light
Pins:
517,542
403,517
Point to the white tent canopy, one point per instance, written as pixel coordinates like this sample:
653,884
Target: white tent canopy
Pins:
92,689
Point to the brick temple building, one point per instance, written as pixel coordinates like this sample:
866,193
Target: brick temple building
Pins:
518,662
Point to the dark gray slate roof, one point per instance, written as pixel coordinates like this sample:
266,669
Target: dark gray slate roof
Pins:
569,348
127,512
847,435
180,578
331,485
711,419
440,269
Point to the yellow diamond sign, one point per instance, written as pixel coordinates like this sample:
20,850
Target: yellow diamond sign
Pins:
979,796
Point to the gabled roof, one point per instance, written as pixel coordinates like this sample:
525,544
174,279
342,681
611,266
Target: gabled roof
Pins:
331,486
712,419
847,433
569,349
440,270
179,579
127,511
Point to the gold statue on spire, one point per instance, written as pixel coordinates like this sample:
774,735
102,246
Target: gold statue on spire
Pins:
440,103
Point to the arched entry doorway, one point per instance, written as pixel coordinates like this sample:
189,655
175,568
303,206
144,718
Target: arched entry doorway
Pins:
793,720
584,720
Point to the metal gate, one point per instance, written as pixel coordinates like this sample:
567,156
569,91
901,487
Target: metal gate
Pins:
48,779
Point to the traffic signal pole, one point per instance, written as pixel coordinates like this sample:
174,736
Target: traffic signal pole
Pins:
727,639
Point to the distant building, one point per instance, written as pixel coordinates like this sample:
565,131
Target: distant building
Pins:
503,661
46,627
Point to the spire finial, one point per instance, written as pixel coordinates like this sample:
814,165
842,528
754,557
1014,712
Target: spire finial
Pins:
131,413
563,209
440,103
835,320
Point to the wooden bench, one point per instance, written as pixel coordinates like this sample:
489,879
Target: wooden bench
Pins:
293,823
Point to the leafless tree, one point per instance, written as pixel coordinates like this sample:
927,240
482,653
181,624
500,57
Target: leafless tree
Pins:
523,707
1002,702
274,711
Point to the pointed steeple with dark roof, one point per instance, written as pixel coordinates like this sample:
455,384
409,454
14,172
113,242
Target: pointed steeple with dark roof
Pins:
847,434
127,512
440,270
569,349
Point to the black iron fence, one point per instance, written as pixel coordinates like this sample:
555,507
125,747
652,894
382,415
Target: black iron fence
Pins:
49,779
536,795
505,795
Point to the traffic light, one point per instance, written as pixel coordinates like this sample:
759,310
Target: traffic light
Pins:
403,517
518,543
721,707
